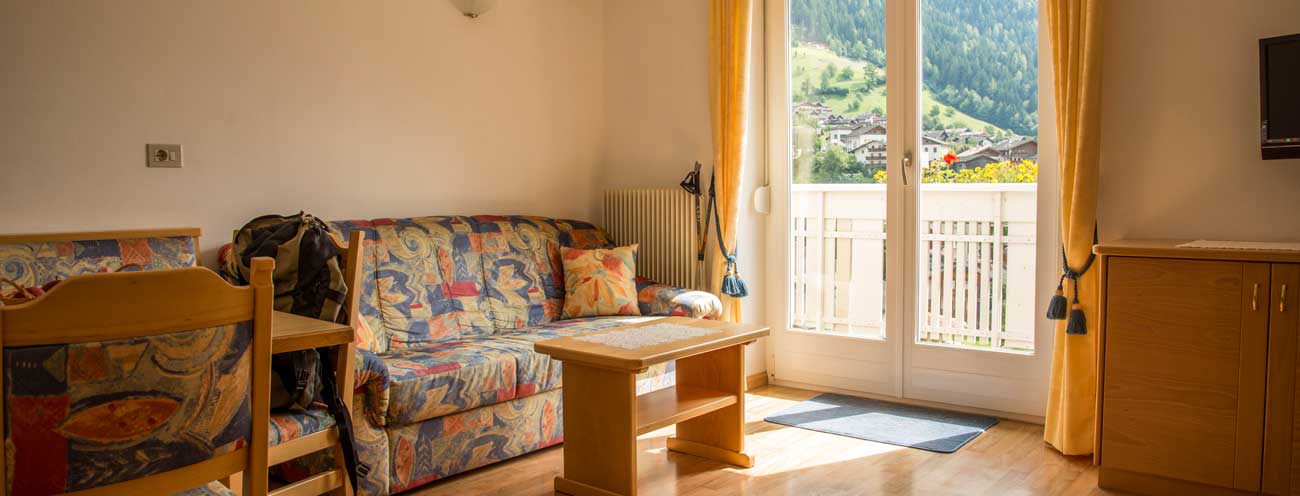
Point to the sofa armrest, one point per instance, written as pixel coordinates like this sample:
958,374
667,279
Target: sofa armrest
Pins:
371,383
661,299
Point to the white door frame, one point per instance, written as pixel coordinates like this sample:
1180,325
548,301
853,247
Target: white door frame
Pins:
894,368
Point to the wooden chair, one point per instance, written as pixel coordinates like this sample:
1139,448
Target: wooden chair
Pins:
333,480
138,383
35,259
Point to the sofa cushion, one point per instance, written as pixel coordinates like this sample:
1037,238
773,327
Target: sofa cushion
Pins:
600,282
539,373
429,279
287,426
455,376
447,377
661,299
524,278
514,283
213,488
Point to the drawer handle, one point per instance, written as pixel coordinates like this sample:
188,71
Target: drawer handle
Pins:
1254,298
1281,305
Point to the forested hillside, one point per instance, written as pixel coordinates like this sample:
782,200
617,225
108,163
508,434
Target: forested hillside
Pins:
980,56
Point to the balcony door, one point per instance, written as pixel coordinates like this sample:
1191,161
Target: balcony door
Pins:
904,146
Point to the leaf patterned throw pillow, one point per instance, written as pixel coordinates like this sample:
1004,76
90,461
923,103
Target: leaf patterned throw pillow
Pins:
599,282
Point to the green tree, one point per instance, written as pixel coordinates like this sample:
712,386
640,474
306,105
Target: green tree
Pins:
846,74
828,74
832,164
930,122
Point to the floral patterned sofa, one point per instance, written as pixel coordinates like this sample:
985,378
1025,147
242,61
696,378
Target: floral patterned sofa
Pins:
447,379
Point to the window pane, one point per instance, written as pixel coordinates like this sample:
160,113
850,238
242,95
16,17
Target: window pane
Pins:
837,80
979,154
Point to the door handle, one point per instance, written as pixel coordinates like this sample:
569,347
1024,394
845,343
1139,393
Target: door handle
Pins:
1281,305
907,164
1254,298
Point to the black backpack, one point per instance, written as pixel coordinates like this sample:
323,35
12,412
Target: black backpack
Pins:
308,275
308,281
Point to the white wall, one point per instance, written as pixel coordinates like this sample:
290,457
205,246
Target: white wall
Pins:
345,109
657,118
1180,122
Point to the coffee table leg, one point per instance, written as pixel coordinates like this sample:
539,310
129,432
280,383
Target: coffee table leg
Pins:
599,432
719,435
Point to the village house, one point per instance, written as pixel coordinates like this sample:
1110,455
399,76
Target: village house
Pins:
1013,149
871,154
1018,148
976,157
862,134
932,149
818,110
836,131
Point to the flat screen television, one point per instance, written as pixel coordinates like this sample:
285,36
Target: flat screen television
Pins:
1279,97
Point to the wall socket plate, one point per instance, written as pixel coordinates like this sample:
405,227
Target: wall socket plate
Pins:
168,156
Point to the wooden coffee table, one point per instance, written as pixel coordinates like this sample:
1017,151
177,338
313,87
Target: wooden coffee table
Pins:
603,415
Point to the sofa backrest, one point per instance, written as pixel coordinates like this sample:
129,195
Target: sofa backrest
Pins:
35,259
432,279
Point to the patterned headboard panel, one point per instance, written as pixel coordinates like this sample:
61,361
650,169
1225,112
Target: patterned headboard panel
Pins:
86,415
36,259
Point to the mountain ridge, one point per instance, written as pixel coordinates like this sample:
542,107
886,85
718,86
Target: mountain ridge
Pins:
980,56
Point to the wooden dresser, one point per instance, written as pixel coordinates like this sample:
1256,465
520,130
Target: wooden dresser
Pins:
1197,369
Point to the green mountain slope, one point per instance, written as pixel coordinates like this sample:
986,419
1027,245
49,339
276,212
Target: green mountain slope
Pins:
980,56
855,95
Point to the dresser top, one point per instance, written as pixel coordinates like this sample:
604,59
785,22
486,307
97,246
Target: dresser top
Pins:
1168,248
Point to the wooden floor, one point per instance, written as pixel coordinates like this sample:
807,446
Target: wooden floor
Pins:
1010,459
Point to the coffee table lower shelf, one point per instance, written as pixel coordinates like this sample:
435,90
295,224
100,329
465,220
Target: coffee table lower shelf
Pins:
666,407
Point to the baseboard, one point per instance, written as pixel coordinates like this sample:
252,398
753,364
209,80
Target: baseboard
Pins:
756,381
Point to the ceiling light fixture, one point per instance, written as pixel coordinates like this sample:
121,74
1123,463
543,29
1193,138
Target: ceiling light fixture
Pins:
473,8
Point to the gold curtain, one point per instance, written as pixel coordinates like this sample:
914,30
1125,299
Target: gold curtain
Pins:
1075,30
729,32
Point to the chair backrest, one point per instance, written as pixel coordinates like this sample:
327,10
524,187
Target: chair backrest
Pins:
431,279
351,254
35,259
150,382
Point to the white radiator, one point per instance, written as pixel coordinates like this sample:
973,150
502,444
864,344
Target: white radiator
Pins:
662,221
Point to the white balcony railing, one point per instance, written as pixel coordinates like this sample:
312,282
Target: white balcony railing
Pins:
976,258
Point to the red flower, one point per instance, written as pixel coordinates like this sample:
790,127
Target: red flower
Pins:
949,158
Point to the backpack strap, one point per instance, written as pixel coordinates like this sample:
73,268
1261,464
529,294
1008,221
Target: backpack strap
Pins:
342,420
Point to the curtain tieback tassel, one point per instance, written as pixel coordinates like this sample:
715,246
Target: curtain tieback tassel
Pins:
1078,323
732,284
1058,307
